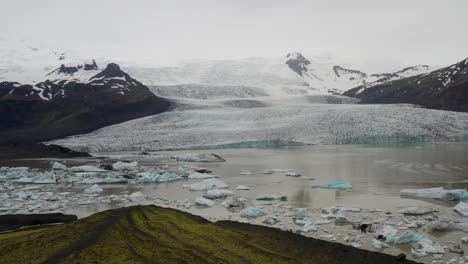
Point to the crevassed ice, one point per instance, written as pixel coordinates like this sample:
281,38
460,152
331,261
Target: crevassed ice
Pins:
283,124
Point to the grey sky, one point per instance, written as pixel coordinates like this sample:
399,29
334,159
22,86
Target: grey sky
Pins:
408,31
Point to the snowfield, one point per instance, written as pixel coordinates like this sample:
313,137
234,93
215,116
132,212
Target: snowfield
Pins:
287,121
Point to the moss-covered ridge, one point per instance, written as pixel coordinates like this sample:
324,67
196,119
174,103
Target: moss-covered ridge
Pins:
151,234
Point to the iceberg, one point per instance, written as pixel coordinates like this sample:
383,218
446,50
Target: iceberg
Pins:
407,237
301,213
208,184
430,247
203,157
85,168
217,193
59,166
292,174
252,212
106,180
245,172
234,202
417,210
197,175
203,201
418,253
385,231
333,185
434,193
152,177
309,227
242,188
379,244
95,189
462,208
125,165
40,178
271,197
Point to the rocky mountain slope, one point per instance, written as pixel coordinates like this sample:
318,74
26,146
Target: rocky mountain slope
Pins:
71,102
150,234
445,89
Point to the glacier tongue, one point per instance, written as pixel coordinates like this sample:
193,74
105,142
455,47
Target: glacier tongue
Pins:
286,122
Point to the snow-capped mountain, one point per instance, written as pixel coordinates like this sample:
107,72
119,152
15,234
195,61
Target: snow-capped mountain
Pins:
60,107
327,76
446,89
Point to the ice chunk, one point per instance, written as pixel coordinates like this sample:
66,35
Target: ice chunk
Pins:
407,237
464,239
95,189
85,168
292,174
39,178
208,184
59,166
125,165
217,193
106,180
267,172
204,201
462,208
271,221
309,227
379,244
197,175
271,197
153,177
135,195
202,157
203,170
245,172
242,188
234,202
417,210
418,253
430,247
301,213
252,212
385,231
333,185
433,193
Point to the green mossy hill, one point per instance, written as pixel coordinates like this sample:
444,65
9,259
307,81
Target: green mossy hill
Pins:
150,234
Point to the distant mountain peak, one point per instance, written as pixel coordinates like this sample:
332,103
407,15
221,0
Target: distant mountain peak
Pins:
297,62
111,71
71,70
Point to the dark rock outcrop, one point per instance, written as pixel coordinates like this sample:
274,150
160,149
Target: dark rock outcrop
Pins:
60,108
444,89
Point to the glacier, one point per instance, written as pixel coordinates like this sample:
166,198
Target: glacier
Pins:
291,121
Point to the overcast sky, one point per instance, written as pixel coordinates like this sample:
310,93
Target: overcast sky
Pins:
408,31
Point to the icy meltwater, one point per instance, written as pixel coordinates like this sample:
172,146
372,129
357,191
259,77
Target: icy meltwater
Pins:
376,174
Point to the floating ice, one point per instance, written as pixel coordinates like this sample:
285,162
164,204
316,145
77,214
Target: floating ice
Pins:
59,166
252,212
125,165
95,189
106,180
217,193
208,184
153,177
292,174
379,244
417,210
203,157
462,208
271,197
197,175
39,178
301,213
407,237
204,201
85,168
434,193
234,202
333,185
271,221
309,227
245,172
242,188
385,231
418,253
430,247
